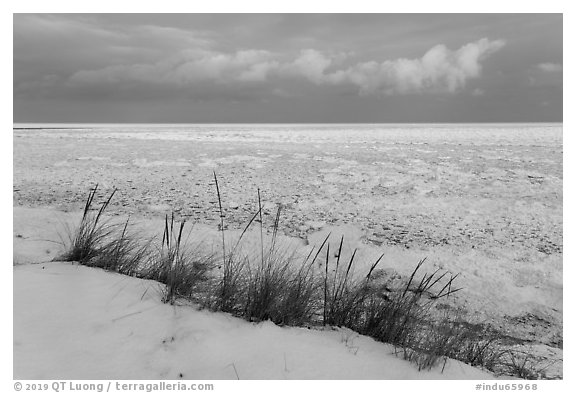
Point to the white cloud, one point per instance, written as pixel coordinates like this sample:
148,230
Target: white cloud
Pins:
310,64
258,72
186,68
438,70
550,67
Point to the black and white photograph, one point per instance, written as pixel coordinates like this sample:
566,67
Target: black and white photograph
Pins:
288,196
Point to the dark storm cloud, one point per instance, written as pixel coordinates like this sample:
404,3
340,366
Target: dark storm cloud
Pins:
323,61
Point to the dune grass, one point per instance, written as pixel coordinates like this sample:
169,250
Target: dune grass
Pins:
231,288
276,284
280,291
183,267
91,239
523,364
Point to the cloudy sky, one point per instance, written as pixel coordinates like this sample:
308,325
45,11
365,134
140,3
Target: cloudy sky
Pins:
297,68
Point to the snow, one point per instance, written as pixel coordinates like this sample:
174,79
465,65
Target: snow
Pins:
74,322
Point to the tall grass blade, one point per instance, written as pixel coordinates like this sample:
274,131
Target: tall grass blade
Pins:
373,267
221,218
261,228
326,282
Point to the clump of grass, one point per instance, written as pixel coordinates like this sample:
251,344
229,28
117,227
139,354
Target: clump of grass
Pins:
92,236
97,242
299,304
171,260
397,318
402,317
230,292
433,342
524,365
272,288
344,295
267,284
268,281
477,346
124,253
185,271
231,289
280,291
427,339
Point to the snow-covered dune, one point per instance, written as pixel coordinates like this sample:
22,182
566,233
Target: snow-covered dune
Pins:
74,322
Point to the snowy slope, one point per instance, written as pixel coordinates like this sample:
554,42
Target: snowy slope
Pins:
73,322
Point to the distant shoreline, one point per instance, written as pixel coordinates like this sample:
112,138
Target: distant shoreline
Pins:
71,126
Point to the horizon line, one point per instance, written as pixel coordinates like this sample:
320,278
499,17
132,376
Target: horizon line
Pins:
282,123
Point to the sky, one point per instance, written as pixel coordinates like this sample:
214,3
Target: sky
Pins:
287,68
